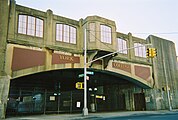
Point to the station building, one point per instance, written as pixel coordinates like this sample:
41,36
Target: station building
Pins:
42,59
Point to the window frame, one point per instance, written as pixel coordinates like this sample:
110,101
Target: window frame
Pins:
123,45
66,33
30,28
140,51
105,35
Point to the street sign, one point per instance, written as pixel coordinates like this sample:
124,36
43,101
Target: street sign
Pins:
88,73
80,75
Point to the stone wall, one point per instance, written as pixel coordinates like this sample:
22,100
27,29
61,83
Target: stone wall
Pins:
164,73
4,79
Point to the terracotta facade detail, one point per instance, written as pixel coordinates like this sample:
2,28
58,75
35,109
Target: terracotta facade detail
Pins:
122,66
142,72
26,58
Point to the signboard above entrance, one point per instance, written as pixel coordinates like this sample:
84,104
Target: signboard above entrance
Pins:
62,59
122,66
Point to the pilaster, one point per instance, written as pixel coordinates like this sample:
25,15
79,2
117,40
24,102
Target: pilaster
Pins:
4,91
131,51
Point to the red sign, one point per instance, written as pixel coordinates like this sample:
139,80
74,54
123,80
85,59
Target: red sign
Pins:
121,66
27,58
62,59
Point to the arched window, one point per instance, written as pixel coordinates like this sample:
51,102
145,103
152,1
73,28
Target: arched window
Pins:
105,34
140,50
122,45
66,33
30,25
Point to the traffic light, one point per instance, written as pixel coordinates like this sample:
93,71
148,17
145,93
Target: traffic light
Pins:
148,52
79,85
151,52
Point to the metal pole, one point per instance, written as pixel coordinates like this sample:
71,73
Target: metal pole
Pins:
85,109
116,52
45,101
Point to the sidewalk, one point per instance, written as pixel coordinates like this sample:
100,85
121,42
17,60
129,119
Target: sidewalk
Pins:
91,116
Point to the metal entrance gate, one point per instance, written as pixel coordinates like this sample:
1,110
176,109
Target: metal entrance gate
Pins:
44,102
64,102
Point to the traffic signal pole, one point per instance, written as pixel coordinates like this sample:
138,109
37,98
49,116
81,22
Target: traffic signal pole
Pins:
85,109
117,52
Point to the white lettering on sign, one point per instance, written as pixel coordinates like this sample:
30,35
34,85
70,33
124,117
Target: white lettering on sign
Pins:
64,57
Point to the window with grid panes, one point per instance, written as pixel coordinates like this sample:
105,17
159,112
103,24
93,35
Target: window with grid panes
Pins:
122,46
66,33
30,25
140,51
105,34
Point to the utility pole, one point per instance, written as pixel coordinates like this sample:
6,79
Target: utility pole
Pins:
85,109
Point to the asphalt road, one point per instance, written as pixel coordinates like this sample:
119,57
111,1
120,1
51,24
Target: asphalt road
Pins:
165,116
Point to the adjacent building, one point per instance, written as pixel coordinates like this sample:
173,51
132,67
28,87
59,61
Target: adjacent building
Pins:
42,59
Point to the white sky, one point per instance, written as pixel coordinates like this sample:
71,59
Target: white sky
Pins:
140,17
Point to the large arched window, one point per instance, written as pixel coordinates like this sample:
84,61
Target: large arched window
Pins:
66,33
105,34
30,25
122,46
140,50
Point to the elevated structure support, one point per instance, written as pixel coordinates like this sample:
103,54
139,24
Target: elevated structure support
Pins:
4,79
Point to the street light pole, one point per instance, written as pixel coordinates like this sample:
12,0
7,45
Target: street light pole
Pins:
85,109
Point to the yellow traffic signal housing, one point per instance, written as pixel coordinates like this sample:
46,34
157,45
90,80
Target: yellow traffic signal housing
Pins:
148,52
79,85
151,52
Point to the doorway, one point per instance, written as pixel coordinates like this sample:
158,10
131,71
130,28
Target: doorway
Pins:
139,101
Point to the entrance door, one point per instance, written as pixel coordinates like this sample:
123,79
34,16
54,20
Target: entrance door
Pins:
139,101
121,102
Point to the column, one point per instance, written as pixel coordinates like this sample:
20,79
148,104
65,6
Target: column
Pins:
4,79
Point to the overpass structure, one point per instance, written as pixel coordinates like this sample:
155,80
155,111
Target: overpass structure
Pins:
42,57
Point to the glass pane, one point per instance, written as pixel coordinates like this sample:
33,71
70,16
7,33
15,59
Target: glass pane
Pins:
140,50
66,33
105,34
39,27
136,49
122,45
73,35
144,51
31,26
22,24
59,32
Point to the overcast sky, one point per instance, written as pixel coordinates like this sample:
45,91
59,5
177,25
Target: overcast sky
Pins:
140,17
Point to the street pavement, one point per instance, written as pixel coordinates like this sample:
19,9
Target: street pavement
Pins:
94,116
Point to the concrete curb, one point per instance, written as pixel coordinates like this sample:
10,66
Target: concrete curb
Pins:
91,115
